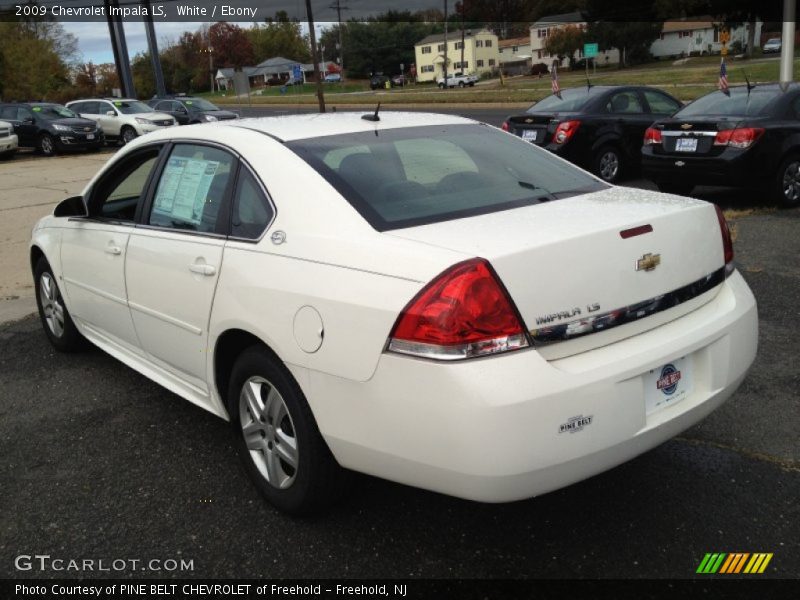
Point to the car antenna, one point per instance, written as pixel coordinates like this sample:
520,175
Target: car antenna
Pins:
588,84
373,117
750,86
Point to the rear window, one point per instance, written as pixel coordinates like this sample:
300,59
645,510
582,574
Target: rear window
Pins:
571,100
737,103
399,178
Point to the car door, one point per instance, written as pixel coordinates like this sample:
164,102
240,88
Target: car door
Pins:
660,105
175,256
26,127
626,108
93,249
108,118
180,112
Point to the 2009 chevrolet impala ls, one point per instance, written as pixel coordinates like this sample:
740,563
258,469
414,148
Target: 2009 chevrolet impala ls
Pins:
419,297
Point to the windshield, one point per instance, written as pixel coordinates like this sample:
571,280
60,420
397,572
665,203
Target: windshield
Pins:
399,178
774,41
736,103
132,107
52,112
200,104
571,100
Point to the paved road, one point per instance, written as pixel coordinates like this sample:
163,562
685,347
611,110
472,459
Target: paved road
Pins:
98,462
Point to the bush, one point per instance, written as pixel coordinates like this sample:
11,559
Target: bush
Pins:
539,68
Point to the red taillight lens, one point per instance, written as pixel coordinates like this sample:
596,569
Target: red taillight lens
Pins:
743,137
652,136
463,313
504,126
565,131
727,241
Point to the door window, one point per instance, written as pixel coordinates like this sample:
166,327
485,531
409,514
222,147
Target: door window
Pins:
252,211
661,103
625,103
119,192
192,188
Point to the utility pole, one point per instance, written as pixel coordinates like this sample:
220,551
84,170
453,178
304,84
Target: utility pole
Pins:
444,65
787,44
315,57
338,6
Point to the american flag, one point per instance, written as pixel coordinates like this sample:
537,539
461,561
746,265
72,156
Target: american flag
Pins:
723,76
554,76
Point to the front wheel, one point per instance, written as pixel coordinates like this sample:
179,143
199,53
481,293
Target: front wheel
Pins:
47,145
128,135
608,164
461,84
441,86
277,437
787,184
55,317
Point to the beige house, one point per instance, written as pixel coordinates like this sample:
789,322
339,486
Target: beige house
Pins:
481,54
545,26
515,55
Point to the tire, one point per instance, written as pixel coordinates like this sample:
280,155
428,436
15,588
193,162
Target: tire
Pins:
786,186
608,164
679,188
471,84
47,145
127,135
277,437
441,86
461,84
56,320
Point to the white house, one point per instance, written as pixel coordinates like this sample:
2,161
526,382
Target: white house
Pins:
544,27
679,38
515,55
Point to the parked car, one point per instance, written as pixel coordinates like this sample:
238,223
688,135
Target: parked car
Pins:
745,138
187,110
399,80
772,45
122,119
458,80
378,82
438,282
51,128
597,127
8,140
333,78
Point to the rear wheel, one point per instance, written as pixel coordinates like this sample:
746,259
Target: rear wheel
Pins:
56,321
787,184
47,145
461,84
277,437
679,188
128,134
441,86
608,163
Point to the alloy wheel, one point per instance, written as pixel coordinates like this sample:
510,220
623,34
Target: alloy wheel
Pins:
52,305
609,165
47,145
791,181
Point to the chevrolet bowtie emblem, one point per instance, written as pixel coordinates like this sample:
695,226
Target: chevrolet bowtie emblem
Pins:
648,262
529,120
686,126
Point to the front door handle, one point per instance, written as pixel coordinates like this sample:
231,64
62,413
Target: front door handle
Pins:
115,250
203,269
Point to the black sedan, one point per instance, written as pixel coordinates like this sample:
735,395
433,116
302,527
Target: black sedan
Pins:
596,127
188,110
748,137
51,128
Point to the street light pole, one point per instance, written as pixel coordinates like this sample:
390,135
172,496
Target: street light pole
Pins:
315,57
787,44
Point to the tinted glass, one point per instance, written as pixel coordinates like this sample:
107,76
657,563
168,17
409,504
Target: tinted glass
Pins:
625,103
52,112
660,103
200,104
118,194
405,177
737,103
191,188
571,100
131,107
251,210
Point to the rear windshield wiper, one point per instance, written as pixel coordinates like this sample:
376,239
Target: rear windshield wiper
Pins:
532,186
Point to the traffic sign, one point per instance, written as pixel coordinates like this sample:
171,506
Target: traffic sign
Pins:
297,73
591,50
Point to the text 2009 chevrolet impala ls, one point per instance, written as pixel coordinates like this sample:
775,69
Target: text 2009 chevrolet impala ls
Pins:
420,297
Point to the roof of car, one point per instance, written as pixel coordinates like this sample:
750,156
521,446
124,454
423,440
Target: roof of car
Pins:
296,127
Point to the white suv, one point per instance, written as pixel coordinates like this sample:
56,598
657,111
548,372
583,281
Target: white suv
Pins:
121,118
8,140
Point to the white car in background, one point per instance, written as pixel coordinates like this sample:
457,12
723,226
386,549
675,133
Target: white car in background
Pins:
442,304
122,119
8,140
772,45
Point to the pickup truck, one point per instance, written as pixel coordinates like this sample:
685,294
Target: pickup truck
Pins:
458,79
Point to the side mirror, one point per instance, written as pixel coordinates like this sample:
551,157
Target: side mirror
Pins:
28,121
111,113
71,207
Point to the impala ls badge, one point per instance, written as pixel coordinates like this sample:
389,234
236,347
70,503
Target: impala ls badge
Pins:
648,262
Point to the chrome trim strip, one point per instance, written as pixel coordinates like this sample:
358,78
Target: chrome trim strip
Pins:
166,318
688,133
626,314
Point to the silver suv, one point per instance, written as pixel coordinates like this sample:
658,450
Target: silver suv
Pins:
122,118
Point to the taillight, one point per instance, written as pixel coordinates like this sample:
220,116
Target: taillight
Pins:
727,241
652,136
463,313
565,131
504,126
738,138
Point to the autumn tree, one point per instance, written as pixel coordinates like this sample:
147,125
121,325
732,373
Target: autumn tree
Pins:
232,47
279,36
564,42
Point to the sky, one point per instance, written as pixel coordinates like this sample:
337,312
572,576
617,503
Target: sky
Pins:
94,42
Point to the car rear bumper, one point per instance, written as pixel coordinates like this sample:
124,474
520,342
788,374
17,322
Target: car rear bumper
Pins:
493,429
732,168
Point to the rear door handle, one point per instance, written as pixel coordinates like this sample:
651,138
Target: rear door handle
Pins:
115,250
203,269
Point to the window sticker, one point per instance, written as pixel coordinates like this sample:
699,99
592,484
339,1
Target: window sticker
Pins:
36,109
117,103
189,102
183,188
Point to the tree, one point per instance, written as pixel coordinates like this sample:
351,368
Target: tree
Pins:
232,47
631,38
565,41
279,37
86,79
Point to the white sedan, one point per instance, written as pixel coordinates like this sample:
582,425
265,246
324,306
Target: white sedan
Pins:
419,297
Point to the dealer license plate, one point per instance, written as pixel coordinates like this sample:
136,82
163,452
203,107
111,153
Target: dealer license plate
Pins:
530,134
686,145
89,136
668,384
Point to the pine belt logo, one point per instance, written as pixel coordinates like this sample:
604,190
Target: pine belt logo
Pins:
736,563
575,424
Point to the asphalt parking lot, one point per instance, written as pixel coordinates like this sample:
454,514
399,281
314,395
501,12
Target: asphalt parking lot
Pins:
96,461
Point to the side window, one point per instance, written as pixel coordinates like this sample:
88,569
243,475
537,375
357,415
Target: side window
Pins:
163,105
177,107
624,103
192,188
117,195
104,107
660,103
795,112
24,113
251,210
78,107
95,108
